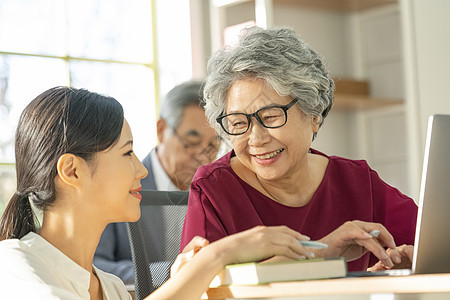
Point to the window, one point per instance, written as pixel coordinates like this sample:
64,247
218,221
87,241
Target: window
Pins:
106,46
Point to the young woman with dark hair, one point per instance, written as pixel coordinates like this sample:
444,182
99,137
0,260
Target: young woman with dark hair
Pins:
75,163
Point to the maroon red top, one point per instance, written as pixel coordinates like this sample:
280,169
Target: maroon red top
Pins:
221,203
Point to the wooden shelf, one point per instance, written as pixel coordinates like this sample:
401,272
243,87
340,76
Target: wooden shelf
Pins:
354,95
333,5
361,102
338,5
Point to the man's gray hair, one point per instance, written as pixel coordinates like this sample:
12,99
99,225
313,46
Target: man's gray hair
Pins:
282,59
177,99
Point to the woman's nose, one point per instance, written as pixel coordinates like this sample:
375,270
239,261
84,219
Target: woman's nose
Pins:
141,171
258,134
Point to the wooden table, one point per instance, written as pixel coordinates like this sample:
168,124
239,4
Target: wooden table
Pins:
130,289
436,286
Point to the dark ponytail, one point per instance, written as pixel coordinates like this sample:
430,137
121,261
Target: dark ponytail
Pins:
18,218
60,120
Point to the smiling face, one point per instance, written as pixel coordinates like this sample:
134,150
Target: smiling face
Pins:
114,182
272,154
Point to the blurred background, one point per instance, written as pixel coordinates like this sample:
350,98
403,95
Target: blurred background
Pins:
389,59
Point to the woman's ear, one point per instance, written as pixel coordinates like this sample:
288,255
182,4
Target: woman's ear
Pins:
316,123
68,168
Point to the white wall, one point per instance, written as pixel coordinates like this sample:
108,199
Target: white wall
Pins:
323,30
382,65
426,43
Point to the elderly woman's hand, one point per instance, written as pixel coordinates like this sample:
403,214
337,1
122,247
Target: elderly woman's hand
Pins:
352,240
406,253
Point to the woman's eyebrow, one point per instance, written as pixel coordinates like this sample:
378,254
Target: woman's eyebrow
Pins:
265,106
130,142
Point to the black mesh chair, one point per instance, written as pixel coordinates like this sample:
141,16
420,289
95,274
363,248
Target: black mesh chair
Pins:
155,238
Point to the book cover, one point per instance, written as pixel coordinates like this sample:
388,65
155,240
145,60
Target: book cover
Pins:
292,270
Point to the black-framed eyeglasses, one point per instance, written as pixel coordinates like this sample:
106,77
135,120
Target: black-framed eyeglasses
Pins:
273,116
209,151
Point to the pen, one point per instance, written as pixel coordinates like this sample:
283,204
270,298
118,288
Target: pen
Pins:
374,233
318,245
313,244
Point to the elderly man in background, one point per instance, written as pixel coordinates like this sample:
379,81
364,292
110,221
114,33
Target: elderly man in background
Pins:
186,142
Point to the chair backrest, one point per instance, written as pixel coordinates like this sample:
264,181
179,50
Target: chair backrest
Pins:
155,238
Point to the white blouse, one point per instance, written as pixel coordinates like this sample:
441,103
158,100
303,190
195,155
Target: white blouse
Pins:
32,268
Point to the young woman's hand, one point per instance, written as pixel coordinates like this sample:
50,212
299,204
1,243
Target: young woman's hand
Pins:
255,244
261,242
200,261
352,240
188,253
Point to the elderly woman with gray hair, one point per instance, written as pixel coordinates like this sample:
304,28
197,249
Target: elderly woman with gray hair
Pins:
269,94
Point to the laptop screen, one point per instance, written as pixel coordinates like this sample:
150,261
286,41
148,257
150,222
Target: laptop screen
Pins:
432,244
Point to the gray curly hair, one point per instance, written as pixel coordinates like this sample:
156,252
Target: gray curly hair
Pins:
279,57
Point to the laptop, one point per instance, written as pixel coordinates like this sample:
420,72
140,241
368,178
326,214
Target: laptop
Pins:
432,241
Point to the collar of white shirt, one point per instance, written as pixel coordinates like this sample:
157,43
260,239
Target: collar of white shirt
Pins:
162,180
